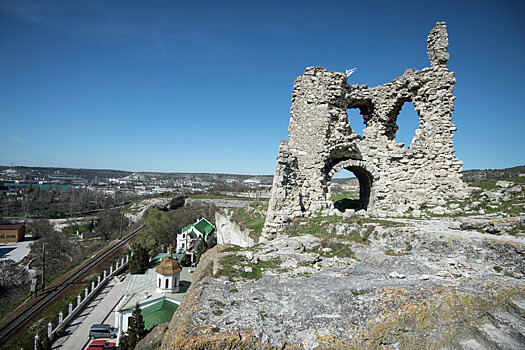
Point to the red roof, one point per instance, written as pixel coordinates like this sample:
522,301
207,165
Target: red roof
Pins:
101,344
98,342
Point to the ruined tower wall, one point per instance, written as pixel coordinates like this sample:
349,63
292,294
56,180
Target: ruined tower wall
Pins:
392,178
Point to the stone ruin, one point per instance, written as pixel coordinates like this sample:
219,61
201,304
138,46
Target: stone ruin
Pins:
392,178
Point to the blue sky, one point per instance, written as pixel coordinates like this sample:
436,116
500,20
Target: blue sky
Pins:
205,86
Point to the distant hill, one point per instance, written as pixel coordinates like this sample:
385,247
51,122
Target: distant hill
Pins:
45,173
89,175
477,175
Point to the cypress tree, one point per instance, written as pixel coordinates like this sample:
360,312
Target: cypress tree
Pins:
138,264
201,249
123,343
136,330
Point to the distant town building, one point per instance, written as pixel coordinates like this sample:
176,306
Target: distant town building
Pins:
12,233
190,237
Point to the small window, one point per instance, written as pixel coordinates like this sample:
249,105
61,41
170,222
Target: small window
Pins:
159,282
167,282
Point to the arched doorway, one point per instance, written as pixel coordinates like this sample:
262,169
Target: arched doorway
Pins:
358,193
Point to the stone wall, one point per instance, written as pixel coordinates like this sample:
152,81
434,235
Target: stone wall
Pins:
219,203
392,178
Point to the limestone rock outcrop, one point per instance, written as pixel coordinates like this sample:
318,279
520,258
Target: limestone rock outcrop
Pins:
391,177
420,285
229,232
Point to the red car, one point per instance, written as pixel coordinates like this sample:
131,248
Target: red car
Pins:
101,345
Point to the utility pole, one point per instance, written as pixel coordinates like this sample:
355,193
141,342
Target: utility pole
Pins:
43,265
121,219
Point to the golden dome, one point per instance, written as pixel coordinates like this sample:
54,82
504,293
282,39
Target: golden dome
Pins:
169,266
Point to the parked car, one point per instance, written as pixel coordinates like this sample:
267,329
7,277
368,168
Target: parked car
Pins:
101,344
102,331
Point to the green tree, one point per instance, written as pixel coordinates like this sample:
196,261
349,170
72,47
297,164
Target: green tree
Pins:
186,260
43,340
138,264
158,231
123,343
40,228
201,249
110,223
136,330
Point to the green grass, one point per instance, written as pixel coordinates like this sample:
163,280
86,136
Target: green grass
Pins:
318,226
391,252
252,221
26,339
491,184
512,207
232,267
344,195
73,230
338,249
233,248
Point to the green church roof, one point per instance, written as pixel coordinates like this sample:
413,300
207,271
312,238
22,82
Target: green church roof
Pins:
161,256
158,313
203,226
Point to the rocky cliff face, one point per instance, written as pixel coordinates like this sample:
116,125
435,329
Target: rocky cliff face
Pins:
402,284
229,232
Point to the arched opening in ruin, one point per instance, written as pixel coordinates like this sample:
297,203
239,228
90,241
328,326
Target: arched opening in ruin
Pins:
356,120
350,187
407,123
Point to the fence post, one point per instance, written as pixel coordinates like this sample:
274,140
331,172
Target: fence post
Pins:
122,262
60,318
49,329
79,299
92,286
127,258
98,281
105,272
111,270
70,309
36,341
86,292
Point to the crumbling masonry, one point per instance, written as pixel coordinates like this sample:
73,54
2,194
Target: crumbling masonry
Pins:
392,178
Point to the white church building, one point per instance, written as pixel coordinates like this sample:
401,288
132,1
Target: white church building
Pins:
191,236
158,293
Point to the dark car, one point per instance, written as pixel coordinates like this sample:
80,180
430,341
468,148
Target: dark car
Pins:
102,331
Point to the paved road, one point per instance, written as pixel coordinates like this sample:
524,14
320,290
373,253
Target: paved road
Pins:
99,310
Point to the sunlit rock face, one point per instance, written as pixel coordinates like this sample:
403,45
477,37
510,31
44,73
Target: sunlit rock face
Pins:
392,177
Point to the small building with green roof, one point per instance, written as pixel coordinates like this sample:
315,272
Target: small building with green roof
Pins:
191,235
157,299
154,262
158,313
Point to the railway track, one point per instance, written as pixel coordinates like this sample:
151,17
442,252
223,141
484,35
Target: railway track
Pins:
13,325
